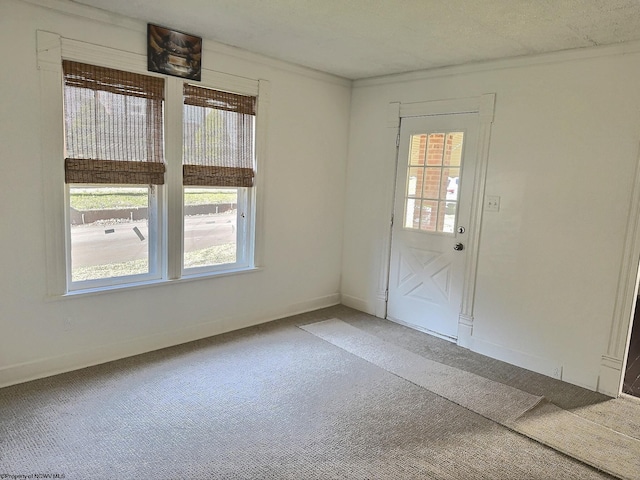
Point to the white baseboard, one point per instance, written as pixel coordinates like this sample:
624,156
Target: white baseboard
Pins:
46,367
519,359
307,306
358,304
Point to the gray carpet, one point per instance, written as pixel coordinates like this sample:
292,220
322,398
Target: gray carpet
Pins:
493,400
270,402
590,442
522,412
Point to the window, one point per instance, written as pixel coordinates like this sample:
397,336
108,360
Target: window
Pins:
114,167
433,177
117,203
218,170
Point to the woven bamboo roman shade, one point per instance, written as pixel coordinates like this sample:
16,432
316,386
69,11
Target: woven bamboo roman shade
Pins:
113,126
218,138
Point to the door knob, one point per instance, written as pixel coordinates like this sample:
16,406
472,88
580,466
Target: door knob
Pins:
458,247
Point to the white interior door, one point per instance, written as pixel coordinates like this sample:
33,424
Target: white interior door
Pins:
436,160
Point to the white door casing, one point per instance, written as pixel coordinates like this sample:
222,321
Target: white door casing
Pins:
614,362
484,107
432,209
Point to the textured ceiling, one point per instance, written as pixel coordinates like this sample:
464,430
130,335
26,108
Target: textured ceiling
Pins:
366,38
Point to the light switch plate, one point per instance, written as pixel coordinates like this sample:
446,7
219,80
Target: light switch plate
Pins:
492,203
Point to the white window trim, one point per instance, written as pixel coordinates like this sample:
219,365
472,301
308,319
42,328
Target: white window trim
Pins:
51,50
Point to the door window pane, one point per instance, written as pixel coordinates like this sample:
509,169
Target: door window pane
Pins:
418,149
453,150
432,183
412,216
429,215
447,218
450,177
414,185
435,148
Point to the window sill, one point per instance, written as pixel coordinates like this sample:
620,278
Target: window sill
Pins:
151,283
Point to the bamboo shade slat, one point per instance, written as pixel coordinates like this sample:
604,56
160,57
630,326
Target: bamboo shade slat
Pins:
114,172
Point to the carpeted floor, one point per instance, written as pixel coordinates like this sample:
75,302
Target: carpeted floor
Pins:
276,402
531,415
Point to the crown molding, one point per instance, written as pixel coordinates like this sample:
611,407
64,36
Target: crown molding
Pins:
502,64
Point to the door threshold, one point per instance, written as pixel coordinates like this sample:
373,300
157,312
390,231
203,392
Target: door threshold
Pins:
424,330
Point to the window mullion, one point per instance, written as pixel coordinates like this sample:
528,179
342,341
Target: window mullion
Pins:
173,157
67,237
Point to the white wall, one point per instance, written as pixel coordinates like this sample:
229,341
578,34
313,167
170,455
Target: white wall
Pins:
563,153
302,210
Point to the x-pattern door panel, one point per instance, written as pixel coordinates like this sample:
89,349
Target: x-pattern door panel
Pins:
424,275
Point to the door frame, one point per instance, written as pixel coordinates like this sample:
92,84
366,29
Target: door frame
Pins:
613,363
484,106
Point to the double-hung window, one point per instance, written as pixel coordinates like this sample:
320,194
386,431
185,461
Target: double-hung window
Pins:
117,202
218,170
114,171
